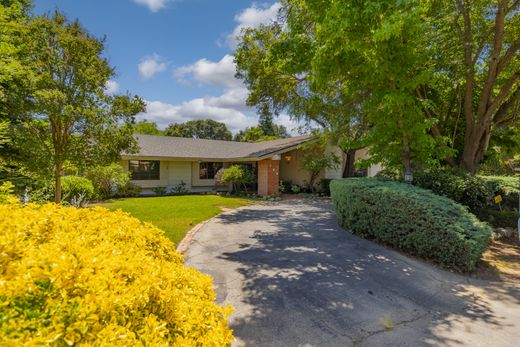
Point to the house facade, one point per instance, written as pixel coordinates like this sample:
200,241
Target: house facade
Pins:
171,162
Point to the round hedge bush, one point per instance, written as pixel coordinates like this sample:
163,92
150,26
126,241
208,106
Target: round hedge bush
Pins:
76,186
411,219
93,277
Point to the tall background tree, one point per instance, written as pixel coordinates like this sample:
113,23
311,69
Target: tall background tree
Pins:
146,127
266,130
69,118
200,129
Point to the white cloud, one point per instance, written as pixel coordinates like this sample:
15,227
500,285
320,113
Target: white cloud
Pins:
252,17
151,65
200,108
220,73
153,5
111,87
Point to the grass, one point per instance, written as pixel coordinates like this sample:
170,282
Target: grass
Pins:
176,215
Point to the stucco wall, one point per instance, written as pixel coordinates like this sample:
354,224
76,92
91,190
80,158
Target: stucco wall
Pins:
292,170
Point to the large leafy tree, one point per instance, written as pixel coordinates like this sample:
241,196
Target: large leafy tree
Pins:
429,80
476,49
199,129
275,62
70,119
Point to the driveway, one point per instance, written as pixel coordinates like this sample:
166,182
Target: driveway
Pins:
295,278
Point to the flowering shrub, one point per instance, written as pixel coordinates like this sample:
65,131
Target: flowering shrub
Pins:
93,277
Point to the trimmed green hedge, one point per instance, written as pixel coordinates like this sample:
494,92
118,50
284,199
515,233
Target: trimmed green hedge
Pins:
411,219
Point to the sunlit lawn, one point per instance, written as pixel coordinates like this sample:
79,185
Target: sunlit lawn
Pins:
176,215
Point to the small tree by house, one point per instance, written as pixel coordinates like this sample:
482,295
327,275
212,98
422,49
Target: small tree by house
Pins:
237,175
315,160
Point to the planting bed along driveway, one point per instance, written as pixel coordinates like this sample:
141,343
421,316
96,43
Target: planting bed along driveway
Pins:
296,278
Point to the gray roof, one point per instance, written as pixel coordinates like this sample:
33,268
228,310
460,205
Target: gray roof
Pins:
188,148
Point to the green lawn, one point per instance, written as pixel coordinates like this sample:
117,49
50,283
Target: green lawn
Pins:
176,215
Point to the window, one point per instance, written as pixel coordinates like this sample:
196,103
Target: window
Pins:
143,170
207,171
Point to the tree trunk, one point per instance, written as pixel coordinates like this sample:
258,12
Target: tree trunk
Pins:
349,169
57,182
407,163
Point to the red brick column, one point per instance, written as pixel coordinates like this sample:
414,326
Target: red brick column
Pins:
268,176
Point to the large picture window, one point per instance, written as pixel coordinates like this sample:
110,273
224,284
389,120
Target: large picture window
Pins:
208,170
144,170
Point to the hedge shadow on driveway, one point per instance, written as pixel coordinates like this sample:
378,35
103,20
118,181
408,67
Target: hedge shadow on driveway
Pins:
305,281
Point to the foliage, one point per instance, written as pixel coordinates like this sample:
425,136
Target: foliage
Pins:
506,186
74,187
6,192
315,160
295,188
70,118
470,191
199,129
276,63
417,82
176,215
255,134
108,180
159,191
179,189
129,190
238,175
147,128
95,277
498,218
411,219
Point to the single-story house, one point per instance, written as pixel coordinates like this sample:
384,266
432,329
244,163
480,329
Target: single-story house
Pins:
164,161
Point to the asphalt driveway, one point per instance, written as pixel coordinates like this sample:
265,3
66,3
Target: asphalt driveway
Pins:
295,278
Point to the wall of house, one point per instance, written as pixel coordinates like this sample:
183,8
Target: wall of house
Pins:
291,170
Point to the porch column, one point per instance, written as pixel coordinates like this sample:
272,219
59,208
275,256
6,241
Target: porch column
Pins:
268,176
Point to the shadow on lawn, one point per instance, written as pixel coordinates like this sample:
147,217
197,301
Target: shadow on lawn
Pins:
312,283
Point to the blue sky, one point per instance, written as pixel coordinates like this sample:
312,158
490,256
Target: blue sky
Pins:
175,54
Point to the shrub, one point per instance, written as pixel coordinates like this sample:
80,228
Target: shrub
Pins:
499,219
506,186
179,189
470,191
6,192
94,277
411,219
129,190
74,187
159,191
237,175
295,189
107,180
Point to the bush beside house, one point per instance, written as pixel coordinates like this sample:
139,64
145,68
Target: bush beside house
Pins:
411,219
93,277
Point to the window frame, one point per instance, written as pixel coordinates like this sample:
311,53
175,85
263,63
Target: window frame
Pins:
153,174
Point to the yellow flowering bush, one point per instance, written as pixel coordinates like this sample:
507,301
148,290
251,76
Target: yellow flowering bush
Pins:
91,277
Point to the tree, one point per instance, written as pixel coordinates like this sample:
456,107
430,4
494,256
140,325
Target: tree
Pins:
275,62
476,56
70,119
147,128
316,159
404,72
200,129
237,175
256,134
